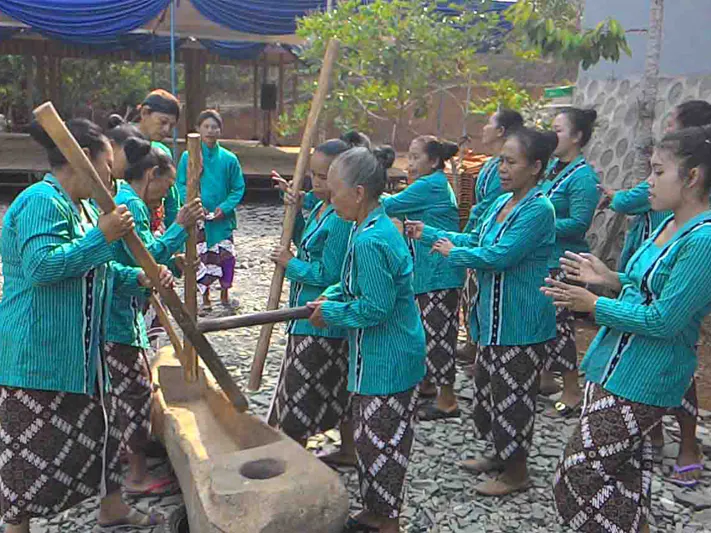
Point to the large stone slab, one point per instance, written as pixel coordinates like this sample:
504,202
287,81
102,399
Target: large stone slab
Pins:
238,474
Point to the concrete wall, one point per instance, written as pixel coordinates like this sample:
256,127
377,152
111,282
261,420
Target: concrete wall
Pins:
614,89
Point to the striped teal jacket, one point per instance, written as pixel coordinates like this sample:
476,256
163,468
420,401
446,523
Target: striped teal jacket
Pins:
487,189
58,282
321,244
635,202
431,200
511,261
376,302
126,324
574,195
645,351
172,202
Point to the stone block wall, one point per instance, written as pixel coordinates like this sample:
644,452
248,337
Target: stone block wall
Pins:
611,149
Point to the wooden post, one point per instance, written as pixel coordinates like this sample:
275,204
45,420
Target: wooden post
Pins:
260,356
169,329
49,119
255,125
281,84
30,81
295,88
194,171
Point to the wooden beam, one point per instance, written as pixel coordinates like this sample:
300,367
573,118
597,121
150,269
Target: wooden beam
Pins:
254,319
281,84
295,89
255,107
30,82
319,99
42,77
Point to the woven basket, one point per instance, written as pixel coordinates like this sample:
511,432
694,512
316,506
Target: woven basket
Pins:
469,167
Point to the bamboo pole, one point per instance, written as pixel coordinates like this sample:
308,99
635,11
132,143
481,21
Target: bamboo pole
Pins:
193,191
260,356
169,329
50,120
254,319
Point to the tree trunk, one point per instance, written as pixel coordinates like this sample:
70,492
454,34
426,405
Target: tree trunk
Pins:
647,105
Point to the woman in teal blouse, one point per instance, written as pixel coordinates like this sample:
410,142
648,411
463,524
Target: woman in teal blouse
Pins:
221,189
571,184
644,355
311,396
158,115
147,178
375,302
635,201
431,199
487,188
511,321
59,278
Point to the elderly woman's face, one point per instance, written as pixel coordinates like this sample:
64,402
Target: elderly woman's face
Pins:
346,200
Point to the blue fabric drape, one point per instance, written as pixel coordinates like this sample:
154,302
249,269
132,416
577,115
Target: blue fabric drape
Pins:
85,21
264,17
234,50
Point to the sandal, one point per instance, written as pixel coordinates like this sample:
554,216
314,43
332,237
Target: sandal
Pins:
154,489
562,410
480,466
496,487
135,519
697,467
353,526
432,412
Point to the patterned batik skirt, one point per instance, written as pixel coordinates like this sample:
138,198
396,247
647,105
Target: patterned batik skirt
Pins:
689,403
216,262
468,297
131,389
312,395
562,351
384,432
506,380
603,482
55,452
440,318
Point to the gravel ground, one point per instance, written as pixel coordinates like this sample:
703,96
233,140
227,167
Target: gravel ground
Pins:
440,498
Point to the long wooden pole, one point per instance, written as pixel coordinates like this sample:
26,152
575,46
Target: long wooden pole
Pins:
260,356
254,319
169,329
50,120
193,191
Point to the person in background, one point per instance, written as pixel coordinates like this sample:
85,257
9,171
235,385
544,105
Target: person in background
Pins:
375,301
643,358
571,184
311,396
59,278
511,320
436,283
148,175
221,190
486,189
158,115
635,201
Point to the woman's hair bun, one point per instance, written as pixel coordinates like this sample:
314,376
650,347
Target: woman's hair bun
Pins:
590,115
136,149
550,141
385,156
355,138
449,150
38,133
114,121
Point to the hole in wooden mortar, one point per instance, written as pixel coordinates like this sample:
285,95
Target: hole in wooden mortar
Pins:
263,469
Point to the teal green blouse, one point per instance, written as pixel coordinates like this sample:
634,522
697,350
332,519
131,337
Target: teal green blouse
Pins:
574,194
635,201
511,261
126,324
431,200
221,185
376,302
487,189
321,244
645,351
59,279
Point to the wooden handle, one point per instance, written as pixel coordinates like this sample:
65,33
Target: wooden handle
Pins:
254,319
50,120
193,191
319,99
165,322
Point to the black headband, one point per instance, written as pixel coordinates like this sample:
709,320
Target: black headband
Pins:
159,104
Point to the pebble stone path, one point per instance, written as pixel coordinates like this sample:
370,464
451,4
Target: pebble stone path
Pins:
440,498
